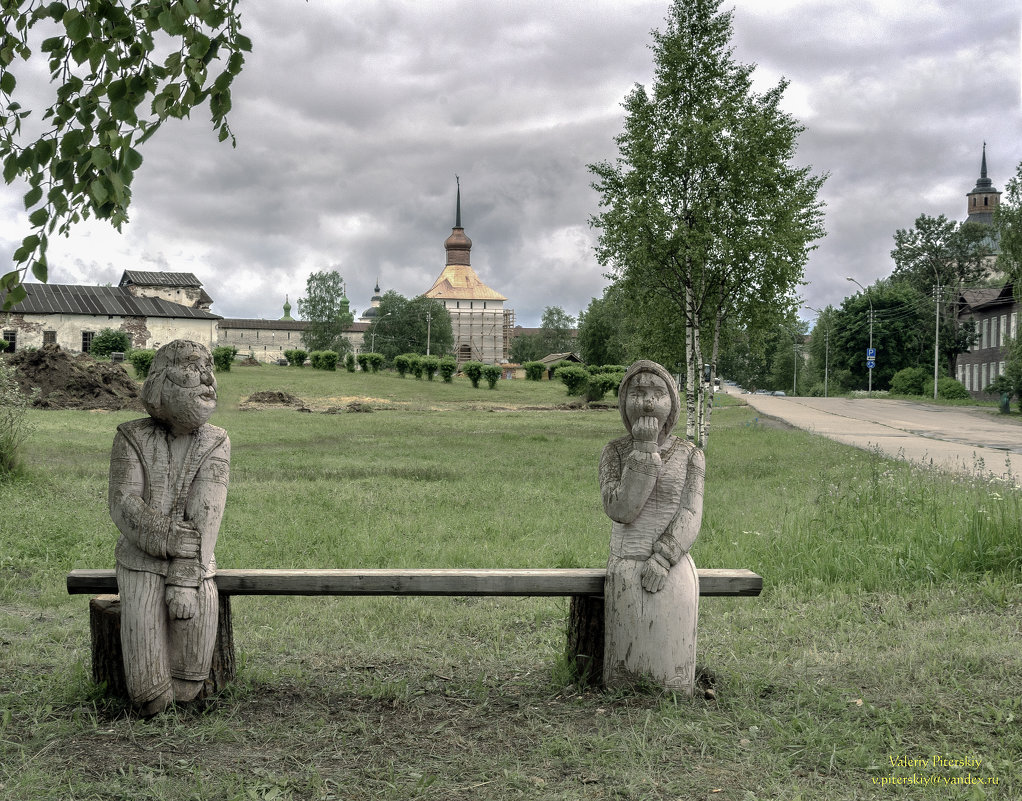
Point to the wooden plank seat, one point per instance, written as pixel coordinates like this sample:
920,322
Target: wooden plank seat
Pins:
515,582
583,585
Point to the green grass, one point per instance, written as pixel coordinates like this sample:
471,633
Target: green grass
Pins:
889,623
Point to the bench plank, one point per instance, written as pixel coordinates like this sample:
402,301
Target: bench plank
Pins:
518,582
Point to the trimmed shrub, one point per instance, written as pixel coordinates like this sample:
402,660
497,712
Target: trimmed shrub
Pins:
296,357
415,363
349,362
223,356
473,371
947,388
552,369
363,362
107,341
909,381
141,360
600,384
491,373
328,360
430,364
448,367
401,364
375,361
574,377
315,358
534,371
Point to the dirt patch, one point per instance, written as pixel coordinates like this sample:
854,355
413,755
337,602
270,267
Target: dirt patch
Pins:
767,421
275,397
74,382
353,407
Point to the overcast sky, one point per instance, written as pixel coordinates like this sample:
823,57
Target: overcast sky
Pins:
353,118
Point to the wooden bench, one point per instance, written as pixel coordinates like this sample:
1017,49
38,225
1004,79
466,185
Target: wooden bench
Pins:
584,586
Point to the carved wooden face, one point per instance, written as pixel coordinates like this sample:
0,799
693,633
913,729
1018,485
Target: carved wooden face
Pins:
189,391
648,396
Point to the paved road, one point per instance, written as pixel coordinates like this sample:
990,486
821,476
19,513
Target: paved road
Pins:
973,440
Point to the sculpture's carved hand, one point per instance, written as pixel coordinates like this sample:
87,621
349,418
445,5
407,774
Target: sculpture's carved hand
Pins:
653,575
645,429
184,541
182,602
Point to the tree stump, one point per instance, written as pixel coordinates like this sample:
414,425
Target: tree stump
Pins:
108,659
585,639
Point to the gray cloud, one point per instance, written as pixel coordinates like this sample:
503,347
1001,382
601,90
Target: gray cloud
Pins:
353,118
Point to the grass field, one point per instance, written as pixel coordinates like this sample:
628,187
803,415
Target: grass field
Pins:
889,626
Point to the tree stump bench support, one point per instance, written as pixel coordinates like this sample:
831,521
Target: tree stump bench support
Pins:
584,586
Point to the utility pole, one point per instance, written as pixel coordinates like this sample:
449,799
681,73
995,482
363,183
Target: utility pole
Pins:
826,352
869,361
794,363
428,319
936,338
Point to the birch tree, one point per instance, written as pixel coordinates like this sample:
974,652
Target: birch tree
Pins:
702,206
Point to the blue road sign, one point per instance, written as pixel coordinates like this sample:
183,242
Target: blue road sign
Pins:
871,364
871,353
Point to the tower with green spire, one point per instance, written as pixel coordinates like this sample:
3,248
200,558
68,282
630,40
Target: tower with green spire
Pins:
287,309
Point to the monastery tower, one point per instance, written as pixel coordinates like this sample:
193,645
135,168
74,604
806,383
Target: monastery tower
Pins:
479,322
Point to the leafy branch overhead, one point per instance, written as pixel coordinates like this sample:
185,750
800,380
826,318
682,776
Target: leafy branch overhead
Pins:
119,70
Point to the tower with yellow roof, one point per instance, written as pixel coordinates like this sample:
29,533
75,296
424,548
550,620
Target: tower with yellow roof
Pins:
479,322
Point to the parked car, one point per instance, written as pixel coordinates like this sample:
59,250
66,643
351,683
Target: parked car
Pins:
779,392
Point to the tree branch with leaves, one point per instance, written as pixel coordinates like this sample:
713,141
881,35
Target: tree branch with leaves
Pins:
119,70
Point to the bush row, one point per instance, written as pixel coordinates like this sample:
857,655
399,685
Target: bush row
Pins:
591,383
419,365
919,381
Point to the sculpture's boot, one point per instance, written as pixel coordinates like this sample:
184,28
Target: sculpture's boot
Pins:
186,690
159,704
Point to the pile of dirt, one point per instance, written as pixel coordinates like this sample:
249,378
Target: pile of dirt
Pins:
275,397
74,382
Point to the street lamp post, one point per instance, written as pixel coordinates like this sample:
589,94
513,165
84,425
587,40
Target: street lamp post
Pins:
376,323
870,299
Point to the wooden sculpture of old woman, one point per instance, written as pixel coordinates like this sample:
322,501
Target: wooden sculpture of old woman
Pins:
168,487
652,488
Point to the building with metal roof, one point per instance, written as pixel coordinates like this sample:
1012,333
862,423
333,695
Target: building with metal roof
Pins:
70,315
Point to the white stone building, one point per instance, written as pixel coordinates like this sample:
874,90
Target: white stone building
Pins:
70,316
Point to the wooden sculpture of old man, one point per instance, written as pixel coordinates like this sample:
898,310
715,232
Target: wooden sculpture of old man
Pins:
168,487
652,488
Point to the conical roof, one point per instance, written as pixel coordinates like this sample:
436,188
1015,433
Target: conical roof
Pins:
459,281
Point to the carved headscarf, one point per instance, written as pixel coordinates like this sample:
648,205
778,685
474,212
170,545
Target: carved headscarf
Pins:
165,363
647,366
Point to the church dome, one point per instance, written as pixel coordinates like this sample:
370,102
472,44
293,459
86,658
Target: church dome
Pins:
458,247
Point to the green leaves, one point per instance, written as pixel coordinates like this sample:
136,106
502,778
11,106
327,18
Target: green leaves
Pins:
101,158
33,196
114,84
76,24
